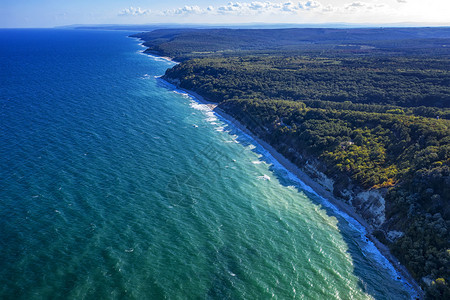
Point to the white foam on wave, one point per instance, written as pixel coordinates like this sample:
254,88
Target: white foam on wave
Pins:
158,58
198,106
264,177
184,94
155,57
211,116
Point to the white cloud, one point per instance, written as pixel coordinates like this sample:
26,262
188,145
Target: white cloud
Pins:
312,4
301,11
358,6
134,11
355,5
251,8
232,7
328,8
188,10
289,7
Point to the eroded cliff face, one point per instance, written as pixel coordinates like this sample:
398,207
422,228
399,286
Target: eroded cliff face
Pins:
370,204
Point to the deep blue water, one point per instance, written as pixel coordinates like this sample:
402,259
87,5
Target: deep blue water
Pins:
112,185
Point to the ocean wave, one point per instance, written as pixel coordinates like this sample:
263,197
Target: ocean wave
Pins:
211,116
197,105
155,57
184,94
264,177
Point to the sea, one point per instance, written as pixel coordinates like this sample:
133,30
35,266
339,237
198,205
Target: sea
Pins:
115,185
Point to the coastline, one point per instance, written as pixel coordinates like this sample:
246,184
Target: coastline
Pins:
338,206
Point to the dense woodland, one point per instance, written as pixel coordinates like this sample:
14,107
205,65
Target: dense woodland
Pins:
183,44
375,113
390,81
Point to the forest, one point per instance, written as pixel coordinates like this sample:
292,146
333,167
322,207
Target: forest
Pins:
184,44
390,81
371,105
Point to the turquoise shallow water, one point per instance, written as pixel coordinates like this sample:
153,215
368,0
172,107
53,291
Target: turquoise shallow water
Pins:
114,186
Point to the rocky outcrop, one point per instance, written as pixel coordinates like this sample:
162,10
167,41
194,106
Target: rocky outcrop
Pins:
370,204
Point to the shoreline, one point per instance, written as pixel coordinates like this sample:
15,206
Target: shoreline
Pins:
338,206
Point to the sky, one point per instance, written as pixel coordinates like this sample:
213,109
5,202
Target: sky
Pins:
51,13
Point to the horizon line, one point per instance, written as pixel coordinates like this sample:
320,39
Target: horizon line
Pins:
247,24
